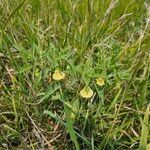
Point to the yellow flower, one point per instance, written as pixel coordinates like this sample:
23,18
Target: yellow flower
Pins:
86,92
100,81
58,75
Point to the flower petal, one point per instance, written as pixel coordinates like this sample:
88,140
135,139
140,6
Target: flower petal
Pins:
86,92
58,75
100,81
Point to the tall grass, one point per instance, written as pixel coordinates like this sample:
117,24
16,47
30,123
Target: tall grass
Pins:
86,40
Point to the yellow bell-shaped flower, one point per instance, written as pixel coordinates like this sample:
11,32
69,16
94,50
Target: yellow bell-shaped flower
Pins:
100,81
58,75
86,92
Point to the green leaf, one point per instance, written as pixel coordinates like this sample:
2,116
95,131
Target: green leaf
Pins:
49,92
57,118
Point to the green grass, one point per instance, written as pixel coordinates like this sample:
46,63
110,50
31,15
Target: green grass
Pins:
86,39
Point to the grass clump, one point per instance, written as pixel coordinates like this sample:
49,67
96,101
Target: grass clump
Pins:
74,74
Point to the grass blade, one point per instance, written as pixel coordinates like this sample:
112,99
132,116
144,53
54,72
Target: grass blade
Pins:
13,13
115,99
70,127
145,130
